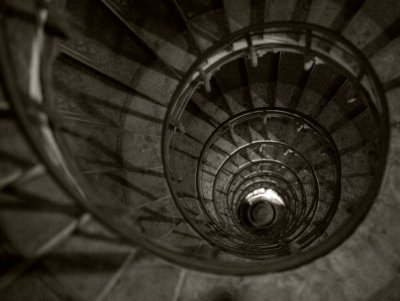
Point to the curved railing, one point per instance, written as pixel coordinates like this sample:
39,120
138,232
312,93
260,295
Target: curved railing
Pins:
218,205
33,102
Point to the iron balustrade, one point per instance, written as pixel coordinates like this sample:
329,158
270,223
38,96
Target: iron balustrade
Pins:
41,125
320,46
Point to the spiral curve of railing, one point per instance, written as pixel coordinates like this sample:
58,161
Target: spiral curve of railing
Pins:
274,241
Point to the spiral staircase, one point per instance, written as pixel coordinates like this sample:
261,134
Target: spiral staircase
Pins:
199,150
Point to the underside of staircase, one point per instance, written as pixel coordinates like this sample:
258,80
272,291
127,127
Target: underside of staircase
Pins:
200,150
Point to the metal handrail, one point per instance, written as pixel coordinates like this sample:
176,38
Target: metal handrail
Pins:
192,81
266,112
72,181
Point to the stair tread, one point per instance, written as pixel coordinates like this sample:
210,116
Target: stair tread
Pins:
374,17
237,14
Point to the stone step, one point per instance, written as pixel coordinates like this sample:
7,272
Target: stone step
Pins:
325,13
159,217
375,18
145,277
155,36
279,11
182,237
238,14
84,264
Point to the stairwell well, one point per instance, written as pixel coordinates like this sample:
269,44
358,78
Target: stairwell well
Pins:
108,89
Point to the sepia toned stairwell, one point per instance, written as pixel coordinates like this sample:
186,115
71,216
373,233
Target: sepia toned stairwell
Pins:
199,150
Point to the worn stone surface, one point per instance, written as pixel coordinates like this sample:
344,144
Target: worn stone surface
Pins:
85,263
324,12
202,287
279,10
385,61
145,279
238,14
365,267
374,17
29,287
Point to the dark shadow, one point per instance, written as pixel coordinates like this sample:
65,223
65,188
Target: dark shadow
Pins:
14,199
111,80
390,33
127,184
120,162
155,216
91,106
392,84
8,157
